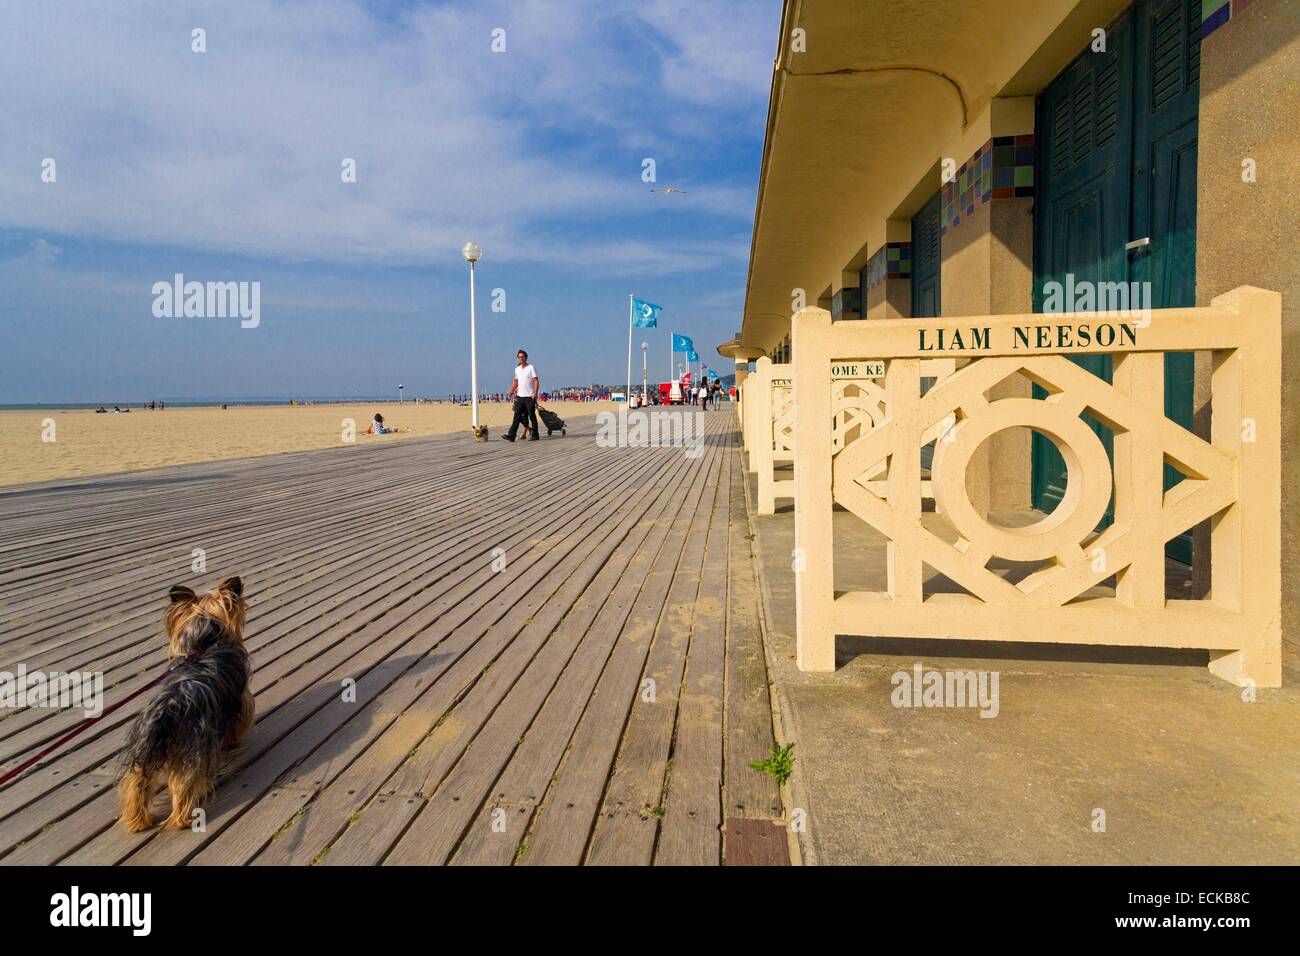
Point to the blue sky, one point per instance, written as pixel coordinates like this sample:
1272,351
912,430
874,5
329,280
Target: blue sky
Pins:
225,166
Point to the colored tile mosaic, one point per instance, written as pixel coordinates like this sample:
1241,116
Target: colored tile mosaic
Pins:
891,261
846,304
1215,13
1003,168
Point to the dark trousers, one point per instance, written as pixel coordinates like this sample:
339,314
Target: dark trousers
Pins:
525,411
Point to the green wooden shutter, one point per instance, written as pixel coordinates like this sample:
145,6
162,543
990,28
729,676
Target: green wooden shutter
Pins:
1081,215
926,260
1164,189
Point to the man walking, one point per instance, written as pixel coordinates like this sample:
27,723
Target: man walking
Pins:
524,390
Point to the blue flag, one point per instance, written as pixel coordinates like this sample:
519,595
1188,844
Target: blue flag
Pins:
713,375
691,356
683,343
645,315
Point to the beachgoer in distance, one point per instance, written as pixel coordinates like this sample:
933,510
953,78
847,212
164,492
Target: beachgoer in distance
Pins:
525,390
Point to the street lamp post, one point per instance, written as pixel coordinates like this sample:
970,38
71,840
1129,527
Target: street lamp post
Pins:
472,253
399,393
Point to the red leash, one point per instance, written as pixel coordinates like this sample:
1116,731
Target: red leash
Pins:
80,728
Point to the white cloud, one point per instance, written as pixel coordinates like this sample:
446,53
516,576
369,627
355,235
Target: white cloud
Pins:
239,149
41,254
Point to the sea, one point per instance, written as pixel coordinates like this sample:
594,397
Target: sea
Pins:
213,403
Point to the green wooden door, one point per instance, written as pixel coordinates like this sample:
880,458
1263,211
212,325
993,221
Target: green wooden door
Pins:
1164,187
1085,124
1118,162
926,256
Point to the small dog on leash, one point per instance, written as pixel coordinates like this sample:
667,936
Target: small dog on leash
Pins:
202,707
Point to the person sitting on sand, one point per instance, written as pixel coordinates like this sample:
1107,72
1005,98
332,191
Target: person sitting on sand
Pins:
377,427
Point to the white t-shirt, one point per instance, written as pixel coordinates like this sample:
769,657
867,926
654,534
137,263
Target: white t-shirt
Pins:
526,376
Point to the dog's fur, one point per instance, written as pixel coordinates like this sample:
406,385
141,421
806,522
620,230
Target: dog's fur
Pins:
202,707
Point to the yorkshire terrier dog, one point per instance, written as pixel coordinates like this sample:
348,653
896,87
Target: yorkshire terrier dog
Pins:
202,707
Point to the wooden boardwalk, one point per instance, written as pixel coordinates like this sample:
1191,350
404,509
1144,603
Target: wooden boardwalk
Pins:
598,700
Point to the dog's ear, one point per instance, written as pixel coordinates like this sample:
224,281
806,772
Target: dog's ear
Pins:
179,594
233,585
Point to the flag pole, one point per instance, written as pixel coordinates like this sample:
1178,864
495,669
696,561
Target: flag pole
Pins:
627,396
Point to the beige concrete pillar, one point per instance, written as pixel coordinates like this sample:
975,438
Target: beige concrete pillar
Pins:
777,395
1245,215
889,288
742,373
746,400
1247,571
988,270
846,299
813,560
760,420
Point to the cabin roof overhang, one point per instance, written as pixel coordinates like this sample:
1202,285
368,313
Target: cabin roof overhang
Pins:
733,349
859,118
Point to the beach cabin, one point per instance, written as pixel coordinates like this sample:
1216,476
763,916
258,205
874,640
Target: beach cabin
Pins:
1060,236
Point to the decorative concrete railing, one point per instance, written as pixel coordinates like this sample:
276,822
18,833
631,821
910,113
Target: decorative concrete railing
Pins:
747,391
857,406
1080,586
770,430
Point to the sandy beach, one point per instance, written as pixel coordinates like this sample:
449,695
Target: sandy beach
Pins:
86,443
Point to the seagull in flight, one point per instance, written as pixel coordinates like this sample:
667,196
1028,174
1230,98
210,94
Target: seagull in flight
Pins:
666,189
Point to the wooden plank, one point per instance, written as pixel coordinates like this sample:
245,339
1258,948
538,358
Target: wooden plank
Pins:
261,676
690,832
443,559
261,723
754,842
289,731
64,836
749,733
156,602
533,618
628,825
599,612
351,522
559,834
588,710
476,692
355,492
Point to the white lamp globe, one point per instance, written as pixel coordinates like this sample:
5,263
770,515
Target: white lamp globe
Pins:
472,252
